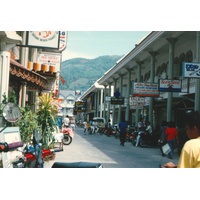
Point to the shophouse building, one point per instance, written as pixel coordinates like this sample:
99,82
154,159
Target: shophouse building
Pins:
138,78
30,64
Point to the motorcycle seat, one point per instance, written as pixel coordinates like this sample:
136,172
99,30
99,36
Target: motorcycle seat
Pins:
76,165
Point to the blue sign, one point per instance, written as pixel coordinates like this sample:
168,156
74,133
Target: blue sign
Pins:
191,70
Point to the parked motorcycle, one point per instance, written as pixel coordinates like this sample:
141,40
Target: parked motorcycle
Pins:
68,135
33,156
145,139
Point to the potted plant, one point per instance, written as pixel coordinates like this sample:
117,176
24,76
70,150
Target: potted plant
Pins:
27,123
46,116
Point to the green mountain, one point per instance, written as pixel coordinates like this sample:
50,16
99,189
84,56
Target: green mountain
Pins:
81,73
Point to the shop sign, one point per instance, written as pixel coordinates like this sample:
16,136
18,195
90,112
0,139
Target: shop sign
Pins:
50,59
145,89
167,85
191,70
43,39
117,101
136,102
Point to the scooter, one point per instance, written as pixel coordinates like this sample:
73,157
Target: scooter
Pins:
145,139
32,158
68,136
33,155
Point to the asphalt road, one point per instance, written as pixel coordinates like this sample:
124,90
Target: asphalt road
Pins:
107,151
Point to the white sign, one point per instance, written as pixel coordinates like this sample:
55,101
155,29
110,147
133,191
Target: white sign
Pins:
63,41
191,70
145,89
50,59
136,102
45,39
168,85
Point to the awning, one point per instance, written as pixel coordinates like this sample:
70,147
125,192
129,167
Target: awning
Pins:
19,74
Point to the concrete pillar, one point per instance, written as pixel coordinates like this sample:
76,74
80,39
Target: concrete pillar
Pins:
120,91
95,104
128,94
197,83
101,103
170,76
104,109
109,94
4,73
138,111
22,95
114,117
152,75
98,110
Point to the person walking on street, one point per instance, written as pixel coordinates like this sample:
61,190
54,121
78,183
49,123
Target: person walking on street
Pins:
162,140
73,123
109,128
171,133
190,154
85,126
123,127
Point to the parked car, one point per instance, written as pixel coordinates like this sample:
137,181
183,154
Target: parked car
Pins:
100,121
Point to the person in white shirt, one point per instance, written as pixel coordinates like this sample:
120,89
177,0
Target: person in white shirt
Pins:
66,121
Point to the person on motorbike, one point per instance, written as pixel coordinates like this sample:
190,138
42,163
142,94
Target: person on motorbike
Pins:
190,154
144,131
66,129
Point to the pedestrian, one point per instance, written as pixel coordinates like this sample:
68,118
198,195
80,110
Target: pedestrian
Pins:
140,125
171,134
85,126
163,139
123,127
66,121
190,154
73,123
109,128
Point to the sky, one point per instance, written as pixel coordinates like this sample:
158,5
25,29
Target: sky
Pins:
92,44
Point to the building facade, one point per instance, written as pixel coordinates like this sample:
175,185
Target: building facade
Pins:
159,56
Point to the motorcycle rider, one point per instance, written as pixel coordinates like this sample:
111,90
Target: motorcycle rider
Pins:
147,131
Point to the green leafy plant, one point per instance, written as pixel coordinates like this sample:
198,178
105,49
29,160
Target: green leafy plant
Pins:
46,116
27,123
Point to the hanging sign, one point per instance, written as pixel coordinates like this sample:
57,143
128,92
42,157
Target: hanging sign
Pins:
191,70
145,89
136,102
167,85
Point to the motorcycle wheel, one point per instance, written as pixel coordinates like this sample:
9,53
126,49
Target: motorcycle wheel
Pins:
67,140
133,142
142,143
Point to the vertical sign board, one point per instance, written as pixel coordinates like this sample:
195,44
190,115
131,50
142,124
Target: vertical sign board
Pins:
191,70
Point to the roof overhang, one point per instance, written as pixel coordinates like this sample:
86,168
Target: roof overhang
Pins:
19,73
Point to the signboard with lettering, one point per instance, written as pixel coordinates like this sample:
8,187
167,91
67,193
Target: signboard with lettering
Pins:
80,106
50,59
43,39
168,85
136,102
145,89
117,101
191,70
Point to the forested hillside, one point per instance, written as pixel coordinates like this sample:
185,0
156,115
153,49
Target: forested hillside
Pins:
81,73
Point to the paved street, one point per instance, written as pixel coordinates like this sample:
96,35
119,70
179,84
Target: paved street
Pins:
107,151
